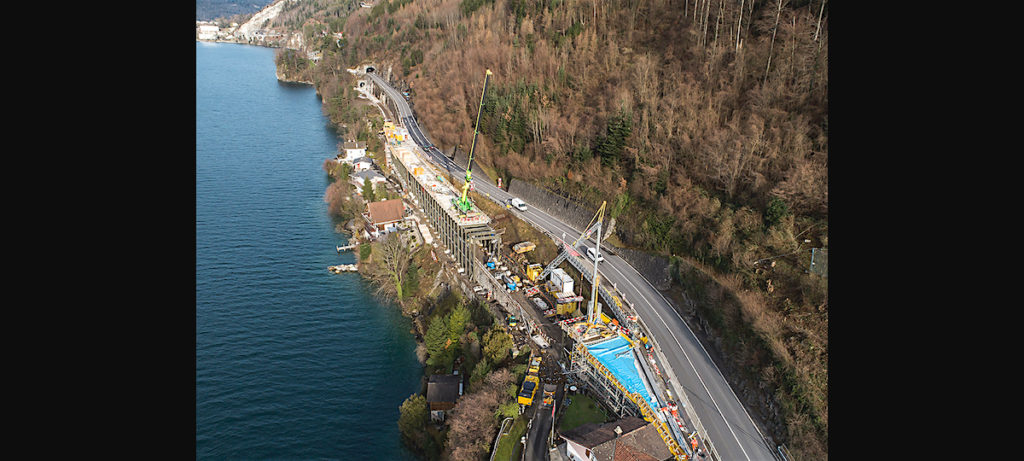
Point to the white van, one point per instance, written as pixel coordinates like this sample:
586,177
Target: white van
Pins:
519,204
592,253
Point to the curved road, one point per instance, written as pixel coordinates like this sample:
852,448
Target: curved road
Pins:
729,427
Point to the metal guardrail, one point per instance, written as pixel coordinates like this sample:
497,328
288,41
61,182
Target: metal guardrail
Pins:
783,452
687,407
494,450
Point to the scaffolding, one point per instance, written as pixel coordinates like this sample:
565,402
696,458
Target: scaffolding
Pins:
590,373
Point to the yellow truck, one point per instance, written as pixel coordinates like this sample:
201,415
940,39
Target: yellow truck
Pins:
523,247
534,365
529,389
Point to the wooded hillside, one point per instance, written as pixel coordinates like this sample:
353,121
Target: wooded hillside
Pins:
703,123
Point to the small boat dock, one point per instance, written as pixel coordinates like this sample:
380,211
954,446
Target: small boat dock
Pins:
351,245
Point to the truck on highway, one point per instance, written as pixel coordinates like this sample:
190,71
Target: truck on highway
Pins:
529,389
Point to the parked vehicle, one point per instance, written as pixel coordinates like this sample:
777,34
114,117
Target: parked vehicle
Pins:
529,390
549,394
523,247
509,283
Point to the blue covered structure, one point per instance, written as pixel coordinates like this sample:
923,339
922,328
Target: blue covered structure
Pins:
616,356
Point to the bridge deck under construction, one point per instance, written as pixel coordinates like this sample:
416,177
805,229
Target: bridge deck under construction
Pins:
616,354
609,367
461,233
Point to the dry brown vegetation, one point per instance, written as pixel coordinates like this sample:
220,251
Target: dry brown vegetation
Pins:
704,125
472,424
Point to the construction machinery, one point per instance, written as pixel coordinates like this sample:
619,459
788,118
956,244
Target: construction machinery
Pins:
534,365
549,394
509,283
593,307
529,389
523,247
462,204
532,271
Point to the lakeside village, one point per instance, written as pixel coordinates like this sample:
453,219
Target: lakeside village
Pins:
600,389
255,32
247,34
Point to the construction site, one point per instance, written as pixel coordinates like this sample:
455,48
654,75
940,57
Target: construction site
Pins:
585,338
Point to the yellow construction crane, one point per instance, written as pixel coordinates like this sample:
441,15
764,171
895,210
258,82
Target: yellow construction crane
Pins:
591,317
463,204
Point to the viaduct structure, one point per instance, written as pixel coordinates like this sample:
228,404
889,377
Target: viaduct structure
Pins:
462,233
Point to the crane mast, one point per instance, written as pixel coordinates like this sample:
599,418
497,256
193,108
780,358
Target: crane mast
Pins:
593,310
463,204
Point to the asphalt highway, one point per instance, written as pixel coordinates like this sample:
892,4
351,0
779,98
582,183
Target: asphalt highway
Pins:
732,432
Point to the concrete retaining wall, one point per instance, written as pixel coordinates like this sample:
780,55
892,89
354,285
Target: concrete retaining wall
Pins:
566,210
654,268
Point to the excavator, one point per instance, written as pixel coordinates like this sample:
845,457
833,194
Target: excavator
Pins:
462,203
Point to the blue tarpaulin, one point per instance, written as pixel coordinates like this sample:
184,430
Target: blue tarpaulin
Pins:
616,356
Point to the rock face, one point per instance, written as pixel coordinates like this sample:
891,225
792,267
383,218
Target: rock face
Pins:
248,30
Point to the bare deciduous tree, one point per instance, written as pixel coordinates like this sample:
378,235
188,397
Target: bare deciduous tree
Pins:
394,258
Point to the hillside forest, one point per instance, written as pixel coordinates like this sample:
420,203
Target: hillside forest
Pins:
702,123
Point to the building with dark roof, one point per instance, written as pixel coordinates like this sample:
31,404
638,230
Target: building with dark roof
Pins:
628,439
359,178
362,163
442,393
353,150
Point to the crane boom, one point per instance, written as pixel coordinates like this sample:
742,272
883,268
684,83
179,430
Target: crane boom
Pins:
463,203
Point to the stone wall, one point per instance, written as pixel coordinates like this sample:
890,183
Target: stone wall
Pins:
655,268
566,210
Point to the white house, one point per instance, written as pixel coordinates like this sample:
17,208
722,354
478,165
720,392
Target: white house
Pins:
384,216
208,31
362,163
357,179
353,150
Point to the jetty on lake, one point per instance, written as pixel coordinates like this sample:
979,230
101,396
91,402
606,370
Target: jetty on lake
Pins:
351,245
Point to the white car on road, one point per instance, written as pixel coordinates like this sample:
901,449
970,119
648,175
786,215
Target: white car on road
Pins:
519,204
592,253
